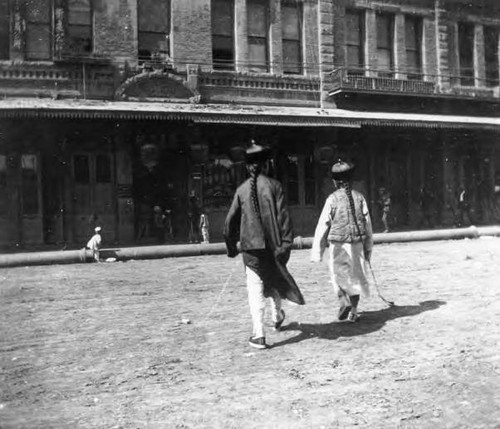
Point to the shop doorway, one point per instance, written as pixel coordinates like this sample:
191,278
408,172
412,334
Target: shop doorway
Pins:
20,200
92,202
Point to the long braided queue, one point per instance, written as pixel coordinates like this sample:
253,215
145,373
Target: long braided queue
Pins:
254,171
348,190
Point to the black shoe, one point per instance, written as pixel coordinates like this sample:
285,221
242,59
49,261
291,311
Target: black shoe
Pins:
258,343
344,311
277,325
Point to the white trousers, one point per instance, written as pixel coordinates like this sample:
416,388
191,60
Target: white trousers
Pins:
257,302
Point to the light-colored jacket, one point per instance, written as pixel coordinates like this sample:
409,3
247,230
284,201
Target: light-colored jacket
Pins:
336,223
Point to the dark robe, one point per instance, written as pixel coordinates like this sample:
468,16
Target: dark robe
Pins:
265,242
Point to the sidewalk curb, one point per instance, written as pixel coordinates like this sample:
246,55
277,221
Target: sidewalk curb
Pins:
182,250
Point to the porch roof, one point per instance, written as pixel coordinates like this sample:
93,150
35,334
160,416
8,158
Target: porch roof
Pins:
233,114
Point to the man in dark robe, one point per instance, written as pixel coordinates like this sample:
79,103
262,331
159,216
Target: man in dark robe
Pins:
259,220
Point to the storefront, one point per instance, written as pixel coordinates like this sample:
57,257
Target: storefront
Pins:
144,172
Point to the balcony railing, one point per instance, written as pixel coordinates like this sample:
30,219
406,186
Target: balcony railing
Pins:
403,83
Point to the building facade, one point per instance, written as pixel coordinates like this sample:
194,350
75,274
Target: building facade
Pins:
134,114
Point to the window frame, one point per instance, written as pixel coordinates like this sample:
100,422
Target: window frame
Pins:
299,68
161,34
218,62
49,28
467,74
359,69
258,39
417,49
389,73
491,56
89,26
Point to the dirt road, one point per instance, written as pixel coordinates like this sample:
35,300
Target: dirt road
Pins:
163,344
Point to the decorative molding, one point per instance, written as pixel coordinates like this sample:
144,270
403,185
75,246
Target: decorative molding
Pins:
158,85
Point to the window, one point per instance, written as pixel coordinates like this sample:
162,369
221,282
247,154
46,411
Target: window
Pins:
29,184
38,29
257,35
466,53
413,43
223,34
354,44
4,30
153,28
102,169
80,26
491,35
81,169
291,25
385,44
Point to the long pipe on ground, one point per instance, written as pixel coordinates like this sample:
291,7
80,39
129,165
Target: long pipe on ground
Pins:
180,250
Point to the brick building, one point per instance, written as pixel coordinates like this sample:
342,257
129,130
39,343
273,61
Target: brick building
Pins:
134,114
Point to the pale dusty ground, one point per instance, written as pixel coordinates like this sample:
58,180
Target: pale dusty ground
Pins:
104,345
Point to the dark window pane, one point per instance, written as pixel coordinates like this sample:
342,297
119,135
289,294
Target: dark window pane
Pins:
222,17
292,41
4,197
29,184
38,34
102,169
466,52
257,54
290,22
4,30
257,18
80,26
292,58
81,168
384,31
354,39
413,37
222,34
153,27
491,35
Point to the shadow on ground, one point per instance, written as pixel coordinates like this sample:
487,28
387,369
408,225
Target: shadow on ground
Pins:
370,321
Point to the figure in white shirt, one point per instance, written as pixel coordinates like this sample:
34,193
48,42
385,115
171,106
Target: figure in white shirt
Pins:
94,243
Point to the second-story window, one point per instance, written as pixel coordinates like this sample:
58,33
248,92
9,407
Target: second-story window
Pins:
38,30
291,25
491,36
4,30
466,53
413,46
385,44
258,29
223,34
153,29
80,26
354,42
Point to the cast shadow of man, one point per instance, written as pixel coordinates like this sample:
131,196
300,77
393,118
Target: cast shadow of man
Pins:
370,321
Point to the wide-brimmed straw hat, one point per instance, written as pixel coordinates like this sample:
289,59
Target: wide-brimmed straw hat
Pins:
342,169
256,153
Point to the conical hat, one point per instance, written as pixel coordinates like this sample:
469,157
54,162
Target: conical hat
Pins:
257,152
342,169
